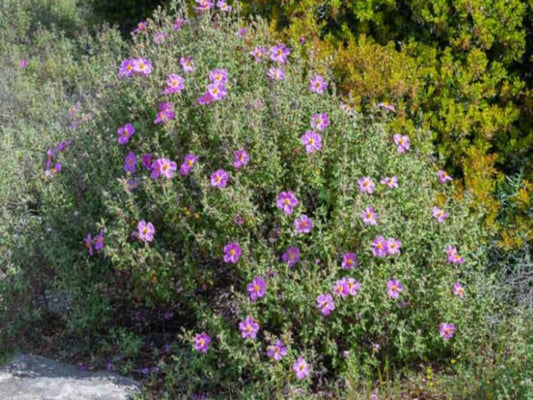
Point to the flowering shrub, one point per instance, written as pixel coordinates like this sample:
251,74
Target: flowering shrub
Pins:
299,240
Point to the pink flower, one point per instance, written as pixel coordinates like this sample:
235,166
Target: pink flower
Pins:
301,368
446,330
175,84
276,74
187,63
163,167
249,328
258,53
146,230
390,182
325,304
453,256
219,178
126,68
340,288
205,99
22,64
303,224
141,27
125,132
349,261
204,5
178,24
286,202
218,76
165,114
366,185
353,286
232,252
201,342
317,84
223,6
402,142
147,161
312,141
393,246
369,216
379,247
142,66
291,256
439,214
130,162
188,163
279,53
458,290
394,288
256,288
217,91
444,177
277,351
319,121
240,159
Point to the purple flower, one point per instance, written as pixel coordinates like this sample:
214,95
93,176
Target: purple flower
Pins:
276,74
388,106
319,121
258,53
301,368
187,63
188,163
379,247
205,99
125,132
444,177
277,351
141,27
458,290
160,37
217,91
256,288
286,202
240,159
163,167
325,303
218,76
439,214
291,256
165,114
312,141
219,178
223,6
175,84
353,286
369,216
201,342
22,64
390,182
241,32
147,161
249,328
63,145
402,142
133,184
99,241
179,23
130,162
142,66
349,261
317,84
279,53
88,244
232,252
340,288
446,330
393,246
453,256
204,5
366,185
126,68
394,288
303,224
146,230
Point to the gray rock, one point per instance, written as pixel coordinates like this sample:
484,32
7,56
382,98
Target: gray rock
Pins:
28,377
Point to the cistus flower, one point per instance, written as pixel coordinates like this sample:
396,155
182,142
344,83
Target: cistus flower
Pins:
142,66
133,184
402,142
163,167
201,342
303,224
218,75
219,178
394,288
301,368
446,330
146,231
179,23
125,133
317,84
175,84
232,252
452,256
319,121
256,288
366,185
140,27
22,64
379,247
249,328
393,246
187,63
353,286
286,202
291,256
130,162
279,53
88,244
349,261
126,68
369,216
277,351
205,99
240,158
312,141
458,290
165,114
340,288
147,161
439,214
444,177
258,53
276,74
325,304
390,182
217,91
188,163
99,241
203,5
223,6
